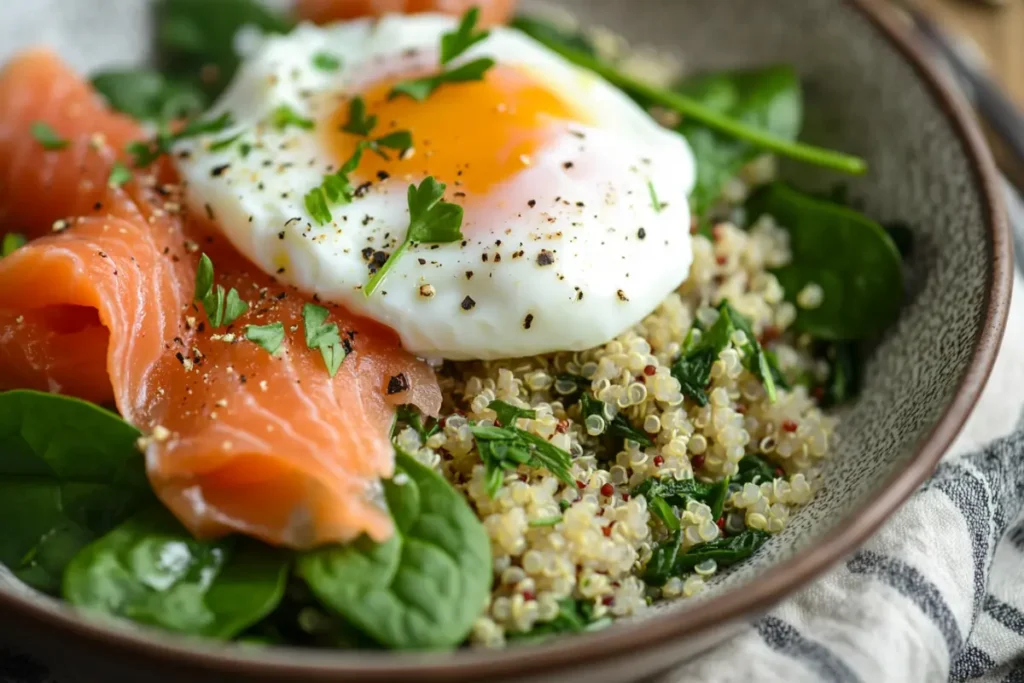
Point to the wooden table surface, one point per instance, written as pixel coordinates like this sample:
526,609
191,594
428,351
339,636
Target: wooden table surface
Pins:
997,30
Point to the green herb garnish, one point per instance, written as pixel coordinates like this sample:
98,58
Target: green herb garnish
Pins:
753,469
148,95
504,448
724,551
431,220
543,522
358,122
619,425
119,175
453,44
658,206
411,416
324,336
334,189
222,308
11,242
574,616
316,205
284,116
224,143
46,136
145,152
697,111
268,337
325,61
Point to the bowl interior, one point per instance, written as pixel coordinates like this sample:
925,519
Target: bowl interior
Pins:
862,97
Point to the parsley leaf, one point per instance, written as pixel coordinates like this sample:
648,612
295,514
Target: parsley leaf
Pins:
455,43
316,204
399,140
12,241
430,221
334,189
119,175
269,337
658,206
145,152
420,89
47,136
224,143
285,116
323,336
325,61
222,308
508,413
358,122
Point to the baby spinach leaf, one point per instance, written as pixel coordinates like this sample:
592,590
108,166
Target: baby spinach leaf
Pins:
754,469
768,99
678,492
663,559
152,571
423,587
843,383
716,498
198,36
148,95
725,551
848,255
902,236
619,425
69,472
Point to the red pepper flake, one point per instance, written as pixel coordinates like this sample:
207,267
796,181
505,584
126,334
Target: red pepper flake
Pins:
779,472
607,531
658,461
523,477
741,409
697,462
720,259
770,333
580,485
789,426
721,523
562,427
608,601
608,490
529,595
649,370
625,496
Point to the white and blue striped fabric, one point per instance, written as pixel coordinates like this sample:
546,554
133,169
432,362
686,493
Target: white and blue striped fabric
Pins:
938,594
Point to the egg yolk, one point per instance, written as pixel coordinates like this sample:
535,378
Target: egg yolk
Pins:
471,135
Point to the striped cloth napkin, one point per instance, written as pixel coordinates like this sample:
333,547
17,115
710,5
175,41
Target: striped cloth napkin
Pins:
938,593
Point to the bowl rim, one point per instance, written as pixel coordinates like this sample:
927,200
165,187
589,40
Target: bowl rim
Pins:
661,630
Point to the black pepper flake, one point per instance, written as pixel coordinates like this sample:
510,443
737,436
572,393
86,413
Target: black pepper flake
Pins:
528,321
545,258
281,296
97,206
398,384
469,274
243,379
422,261
483,257
497,258
367,253
641,233
366,219
532,203
567,165
468,304
580,204
579,295
202,327
280,270
361,190
180,357
219,170
382,175
289,221
460,194
209,211
280,235
622,295
102,254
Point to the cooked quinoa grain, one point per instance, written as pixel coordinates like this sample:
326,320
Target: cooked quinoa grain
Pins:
590,541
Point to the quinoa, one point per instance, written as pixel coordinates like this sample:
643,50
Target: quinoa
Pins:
590,541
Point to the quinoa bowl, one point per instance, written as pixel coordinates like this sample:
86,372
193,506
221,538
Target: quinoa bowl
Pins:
774,460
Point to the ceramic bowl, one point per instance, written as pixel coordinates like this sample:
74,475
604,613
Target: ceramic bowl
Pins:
868,92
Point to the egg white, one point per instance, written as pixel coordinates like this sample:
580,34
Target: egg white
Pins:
614,254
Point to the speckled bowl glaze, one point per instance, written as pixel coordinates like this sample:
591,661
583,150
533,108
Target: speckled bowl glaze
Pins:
868,92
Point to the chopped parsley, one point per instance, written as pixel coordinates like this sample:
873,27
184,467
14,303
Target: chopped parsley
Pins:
453,44
334,189
658,206
222,308
431,220
46,136
546,521
324,336
284,116
316,205
145,152
119,175
11,242
507,447
268,337
224,143
325,61
358,122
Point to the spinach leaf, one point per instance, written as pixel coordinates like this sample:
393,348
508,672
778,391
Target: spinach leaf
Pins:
754,469
411,415
848,255
152,571
547,32
663,559
693,368
578,383
768,99
198,37
423,587
574,616
148,95
843,383
619,426
716,498
69,472
508,414
902,236
725,551
678,492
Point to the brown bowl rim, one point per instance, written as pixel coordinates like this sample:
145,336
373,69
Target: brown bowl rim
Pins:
659,631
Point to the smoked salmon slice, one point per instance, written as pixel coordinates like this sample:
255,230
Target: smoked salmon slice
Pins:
241,440
325,11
